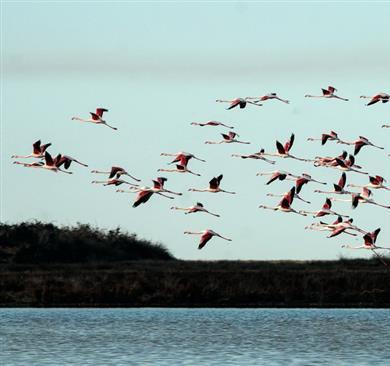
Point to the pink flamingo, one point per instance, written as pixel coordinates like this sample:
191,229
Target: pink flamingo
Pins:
116,182
283,194
241,102
369,244
38,151
359,143
285,204
331,136
376,182
144,193
206,236
180,155
269,97
255,156
116,172
198,207
228,138
381,97
213,186
325,210
328,161
362,197
341,227
326,93
284,150
304,179
179,169
347,165
96,118
210,123
49,164
277,175
158,187
338,188
67,160
323,226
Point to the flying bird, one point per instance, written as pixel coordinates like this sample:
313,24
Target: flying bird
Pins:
359,143
228,138
210,123
213,186
331,136
269,96
206,235
380,97
241,102
256,156
116,172
96,118
326,93
198,207
38,151
285,204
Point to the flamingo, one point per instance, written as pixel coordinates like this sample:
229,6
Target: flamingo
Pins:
285,204
116,182
385,126
277,175
180,155
347,165
323,226
381,97
338,188
96,118
283,194
376,182
228,138
268,97
362,197
328,161
369,244
210,123
213,186
198,207
117,172
331,136
38,151
158,187
359,143
206,236
326,93
242,102
255,156
180,168
304,179
49,164
284,151
341,227
66,160
144,195
325,210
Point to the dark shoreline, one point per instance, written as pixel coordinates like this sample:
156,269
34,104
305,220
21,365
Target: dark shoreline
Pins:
196,284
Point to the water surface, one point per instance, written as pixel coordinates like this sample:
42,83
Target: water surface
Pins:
194,337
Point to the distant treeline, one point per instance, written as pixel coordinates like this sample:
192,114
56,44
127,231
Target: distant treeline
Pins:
37,242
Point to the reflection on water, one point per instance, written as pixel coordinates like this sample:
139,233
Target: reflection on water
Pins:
194,337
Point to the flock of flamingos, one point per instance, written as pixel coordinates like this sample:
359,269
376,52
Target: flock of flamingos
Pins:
344,162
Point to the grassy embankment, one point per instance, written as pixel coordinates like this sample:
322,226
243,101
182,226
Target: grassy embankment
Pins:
43,265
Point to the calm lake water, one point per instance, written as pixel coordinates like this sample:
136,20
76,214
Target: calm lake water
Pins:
194,337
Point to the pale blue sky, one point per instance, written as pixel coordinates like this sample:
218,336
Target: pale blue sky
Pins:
159,66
